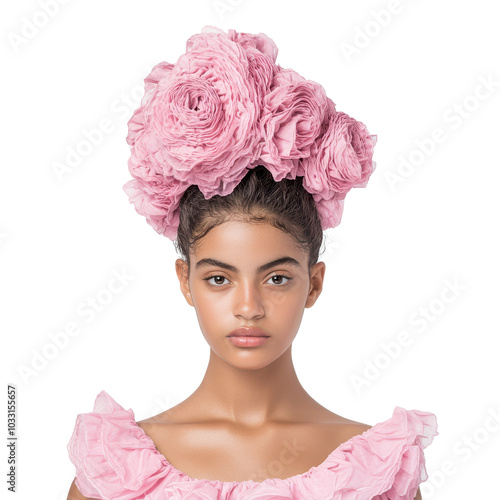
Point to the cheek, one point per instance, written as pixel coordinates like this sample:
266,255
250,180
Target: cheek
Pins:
283,309
211,307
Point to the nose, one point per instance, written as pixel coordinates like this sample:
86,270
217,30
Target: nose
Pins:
248,302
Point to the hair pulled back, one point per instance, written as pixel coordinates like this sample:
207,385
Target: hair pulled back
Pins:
257,198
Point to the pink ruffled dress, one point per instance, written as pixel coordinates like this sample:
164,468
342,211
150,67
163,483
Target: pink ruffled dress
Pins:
115,459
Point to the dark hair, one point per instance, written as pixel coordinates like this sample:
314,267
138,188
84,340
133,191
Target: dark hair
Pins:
257,198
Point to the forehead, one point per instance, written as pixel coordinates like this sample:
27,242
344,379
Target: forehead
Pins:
248,242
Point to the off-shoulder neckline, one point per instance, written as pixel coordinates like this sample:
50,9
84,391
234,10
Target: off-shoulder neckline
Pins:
378,460
287,479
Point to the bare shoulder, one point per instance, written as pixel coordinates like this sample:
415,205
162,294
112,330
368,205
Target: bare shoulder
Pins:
342,429
178,414
75,494
354,428
334,428
358,428
321,414
150,425
167,430
160,421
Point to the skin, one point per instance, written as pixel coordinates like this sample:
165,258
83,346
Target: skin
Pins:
250,403
250,386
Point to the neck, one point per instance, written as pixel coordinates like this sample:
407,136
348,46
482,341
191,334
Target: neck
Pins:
251,397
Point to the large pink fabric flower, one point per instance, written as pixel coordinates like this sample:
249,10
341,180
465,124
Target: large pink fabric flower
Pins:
261,53
225,107
343,161
344,158
202,120
293,115
155,195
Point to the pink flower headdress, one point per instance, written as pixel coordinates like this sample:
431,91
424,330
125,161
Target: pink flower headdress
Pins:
225,107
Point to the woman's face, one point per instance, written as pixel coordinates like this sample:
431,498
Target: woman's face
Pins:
272,299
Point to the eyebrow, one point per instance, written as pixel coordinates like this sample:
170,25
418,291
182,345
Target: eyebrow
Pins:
217,263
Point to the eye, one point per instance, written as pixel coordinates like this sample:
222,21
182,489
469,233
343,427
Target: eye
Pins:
208,278
281,276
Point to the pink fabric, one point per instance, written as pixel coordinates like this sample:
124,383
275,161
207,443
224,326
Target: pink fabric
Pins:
226,107
115,459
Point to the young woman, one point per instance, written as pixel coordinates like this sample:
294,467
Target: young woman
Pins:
244,164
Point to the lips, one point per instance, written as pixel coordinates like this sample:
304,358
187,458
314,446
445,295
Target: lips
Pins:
248,332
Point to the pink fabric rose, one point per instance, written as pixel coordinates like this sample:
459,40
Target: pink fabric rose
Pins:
260,42
154,194
198,118
261,53
136,122
343,161
330,210
204,115
293,115
344,158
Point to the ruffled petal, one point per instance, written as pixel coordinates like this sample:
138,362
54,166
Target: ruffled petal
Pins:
112,455
387,461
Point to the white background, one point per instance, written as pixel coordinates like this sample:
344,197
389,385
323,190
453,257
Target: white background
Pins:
394,252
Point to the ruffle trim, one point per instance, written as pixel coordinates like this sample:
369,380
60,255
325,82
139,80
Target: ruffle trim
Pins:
114,458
